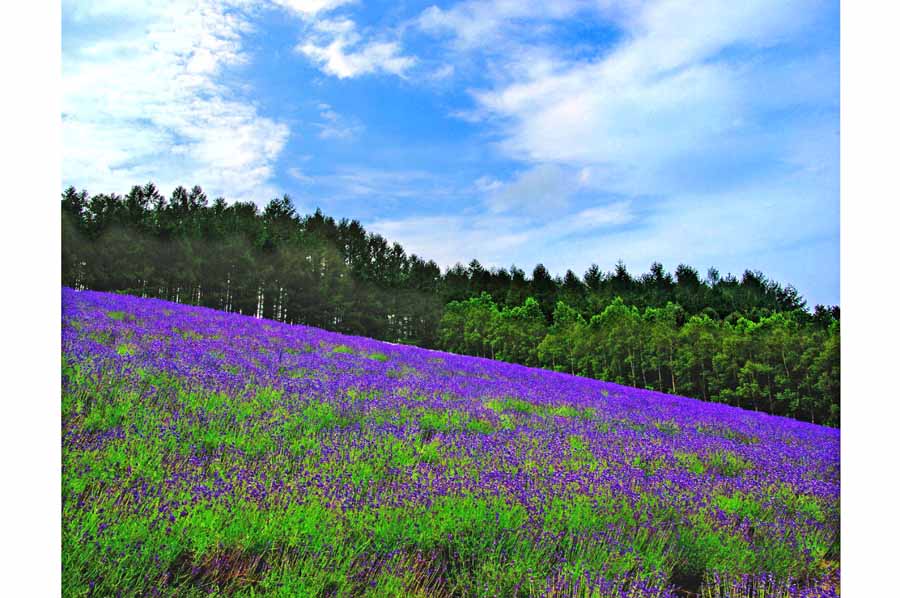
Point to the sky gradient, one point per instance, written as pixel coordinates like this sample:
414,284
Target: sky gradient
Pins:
699,132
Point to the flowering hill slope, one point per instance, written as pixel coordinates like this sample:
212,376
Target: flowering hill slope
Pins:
206,452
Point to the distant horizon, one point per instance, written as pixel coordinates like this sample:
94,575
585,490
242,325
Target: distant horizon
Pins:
510,133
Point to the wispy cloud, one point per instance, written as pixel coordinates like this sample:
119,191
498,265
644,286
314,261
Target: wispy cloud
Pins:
298,175
472,24
501,239
448,239
671,97
336,126
337,47
540,190
143,101
310,8
714,123
730,232
413,187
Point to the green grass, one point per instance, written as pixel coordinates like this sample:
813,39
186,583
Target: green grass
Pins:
727,464
129,525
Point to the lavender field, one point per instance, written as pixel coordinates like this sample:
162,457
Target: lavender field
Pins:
207,453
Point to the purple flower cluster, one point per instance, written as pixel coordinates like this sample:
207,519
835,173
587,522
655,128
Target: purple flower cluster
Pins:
239,447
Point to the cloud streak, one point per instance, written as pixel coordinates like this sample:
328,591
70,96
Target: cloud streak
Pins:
335,126
499,239
310,8
473,24
671,95
716,123
144,101
338,49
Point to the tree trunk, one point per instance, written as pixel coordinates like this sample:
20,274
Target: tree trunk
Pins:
771,400
672,366
643,369
786,371
633,375
659,382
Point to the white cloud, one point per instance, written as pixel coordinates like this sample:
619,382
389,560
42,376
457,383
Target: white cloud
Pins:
538,190
479,24
310,8
732,231
357,182
298,174
339,50
143,101
499,239
745,228
597,217
336,126
663,101
442,72
456,238
486,184
714,125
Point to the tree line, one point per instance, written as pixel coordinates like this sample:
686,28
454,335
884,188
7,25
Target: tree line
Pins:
783,363
746,341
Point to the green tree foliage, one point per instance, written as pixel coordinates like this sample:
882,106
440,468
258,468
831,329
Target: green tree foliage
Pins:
617,331
745,341
519,332
702,338
471,326
562,346
662,325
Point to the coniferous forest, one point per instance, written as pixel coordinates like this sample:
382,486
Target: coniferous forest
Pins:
747,341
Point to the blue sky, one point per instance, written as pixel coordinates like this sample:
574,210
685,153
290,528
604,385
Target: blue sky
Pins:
701,131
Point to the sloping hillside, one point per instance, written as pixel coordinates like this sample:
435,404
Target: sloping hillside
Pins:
208,452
